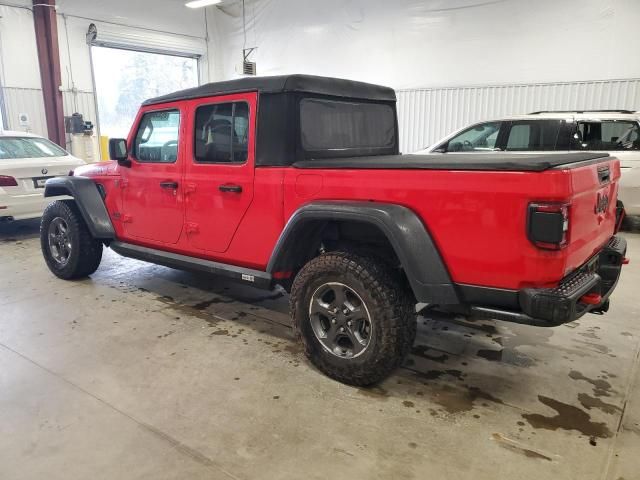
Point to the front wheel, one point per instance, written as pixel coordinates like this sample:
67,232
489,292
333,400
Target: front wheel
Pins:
67,245
356,321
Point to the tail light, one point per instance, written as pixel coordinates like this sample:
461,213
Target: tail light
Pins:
548,225
6,181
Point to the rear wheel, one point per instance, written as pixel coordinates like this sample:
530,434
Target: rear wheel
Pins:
67,245
356,321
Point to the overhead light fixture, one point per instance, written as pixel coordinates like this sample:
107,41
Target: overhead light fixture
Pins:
201,3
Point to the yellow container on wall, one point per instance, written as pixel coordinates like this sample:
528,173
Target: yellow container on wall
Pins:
104,147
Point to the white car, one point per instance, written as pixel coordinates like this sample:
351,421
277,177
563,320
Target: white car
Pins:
26,162
614,131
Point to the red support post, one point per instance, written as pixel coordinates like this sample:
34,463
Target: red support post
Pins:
46,27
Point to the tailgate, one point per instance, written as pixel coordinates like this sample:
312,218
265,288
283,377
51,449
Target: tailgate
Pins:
592,218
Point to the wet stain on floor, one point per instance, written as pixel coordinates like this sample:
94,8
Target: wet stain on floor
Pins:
589,402
568,417
603,349
421,351
207,303
219,332
374,392
601,388
435,374
453,400
509,356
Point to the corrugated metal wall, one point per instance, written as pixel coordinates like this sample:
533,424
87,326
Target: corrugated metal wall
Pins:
426,115
29,101
24,100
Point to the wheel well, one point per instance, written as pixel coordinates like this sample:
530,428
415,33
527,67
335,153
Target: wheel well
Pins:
57,192
315,237
359,237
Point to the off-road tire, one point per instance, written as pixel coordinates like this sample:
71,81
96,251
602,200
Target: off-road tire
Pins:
390,306
86,251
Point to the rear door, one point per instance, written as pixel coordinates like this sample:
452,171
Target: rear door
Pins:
152,204
536,135
219,170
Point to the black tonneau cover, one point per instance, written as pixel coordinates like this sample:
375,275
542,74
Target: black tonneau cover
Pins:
459,161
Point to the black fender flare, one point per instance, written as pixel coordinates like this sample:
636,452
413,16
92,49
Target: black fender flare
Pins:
410,239
89,201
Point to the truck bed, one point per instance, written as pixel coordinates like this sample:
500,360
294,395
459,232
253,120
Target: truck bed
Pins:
526,162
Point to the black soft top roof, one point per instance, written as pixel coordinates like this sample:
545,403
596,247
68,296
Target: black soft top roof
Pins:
459,161
284,83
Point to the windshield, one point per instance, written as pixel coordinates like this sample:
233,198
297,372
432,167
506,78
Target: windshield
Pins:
480,137
28,147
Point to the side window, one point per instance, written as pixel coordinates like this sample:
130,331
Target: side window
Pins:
157,137
608,135
519,136
480,137
532,135
222,133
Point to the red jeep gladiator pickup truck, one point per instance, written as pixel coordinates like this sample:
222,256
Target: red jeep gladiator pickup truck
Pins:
297,180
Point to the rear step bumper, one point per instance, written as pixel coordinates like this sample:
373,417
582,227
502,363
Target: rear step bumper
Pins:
554,306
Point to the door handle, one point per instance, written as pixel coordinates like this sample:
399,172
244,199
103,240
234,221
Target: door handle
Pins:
169,184
230,188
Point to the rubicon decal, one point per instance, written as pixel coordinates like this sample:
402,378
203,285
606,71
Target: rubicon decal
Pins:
602,203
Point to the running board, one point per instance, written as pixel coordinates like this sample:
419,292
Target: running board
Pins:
256,278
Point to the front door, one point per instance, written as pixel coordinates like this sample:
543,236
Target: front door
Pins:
219,170
152,203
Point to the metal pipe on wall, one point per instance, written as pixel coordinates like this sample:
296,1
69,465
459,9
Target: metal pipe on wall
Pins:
46,29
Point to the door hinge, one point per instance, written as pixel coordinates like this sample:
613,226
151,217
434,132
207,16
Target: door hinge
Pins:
191,227
127,218
189,188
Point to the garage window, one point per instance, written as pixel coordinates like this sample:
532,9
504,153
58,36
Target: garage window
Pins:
126,78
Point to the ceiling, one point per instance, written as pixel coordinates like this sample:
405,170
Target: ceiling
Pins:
166,15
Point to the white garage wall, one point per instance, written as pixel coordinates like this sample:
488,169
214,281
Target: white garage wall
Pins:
422,43
426,115
453,62
168,24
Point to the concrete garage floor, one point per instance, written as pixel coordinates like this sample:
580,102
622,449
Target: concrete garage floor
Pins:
146,372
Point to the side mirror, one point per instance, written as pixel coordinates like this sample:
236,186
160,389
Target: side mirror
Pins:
118,151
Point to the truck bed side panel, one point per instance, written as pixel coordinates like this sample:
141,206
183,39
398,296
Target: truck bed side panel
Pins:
476,218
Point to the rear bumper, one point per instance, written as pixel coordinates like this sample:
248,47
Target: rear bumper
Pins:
629,190
566,302
21,207
25,205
